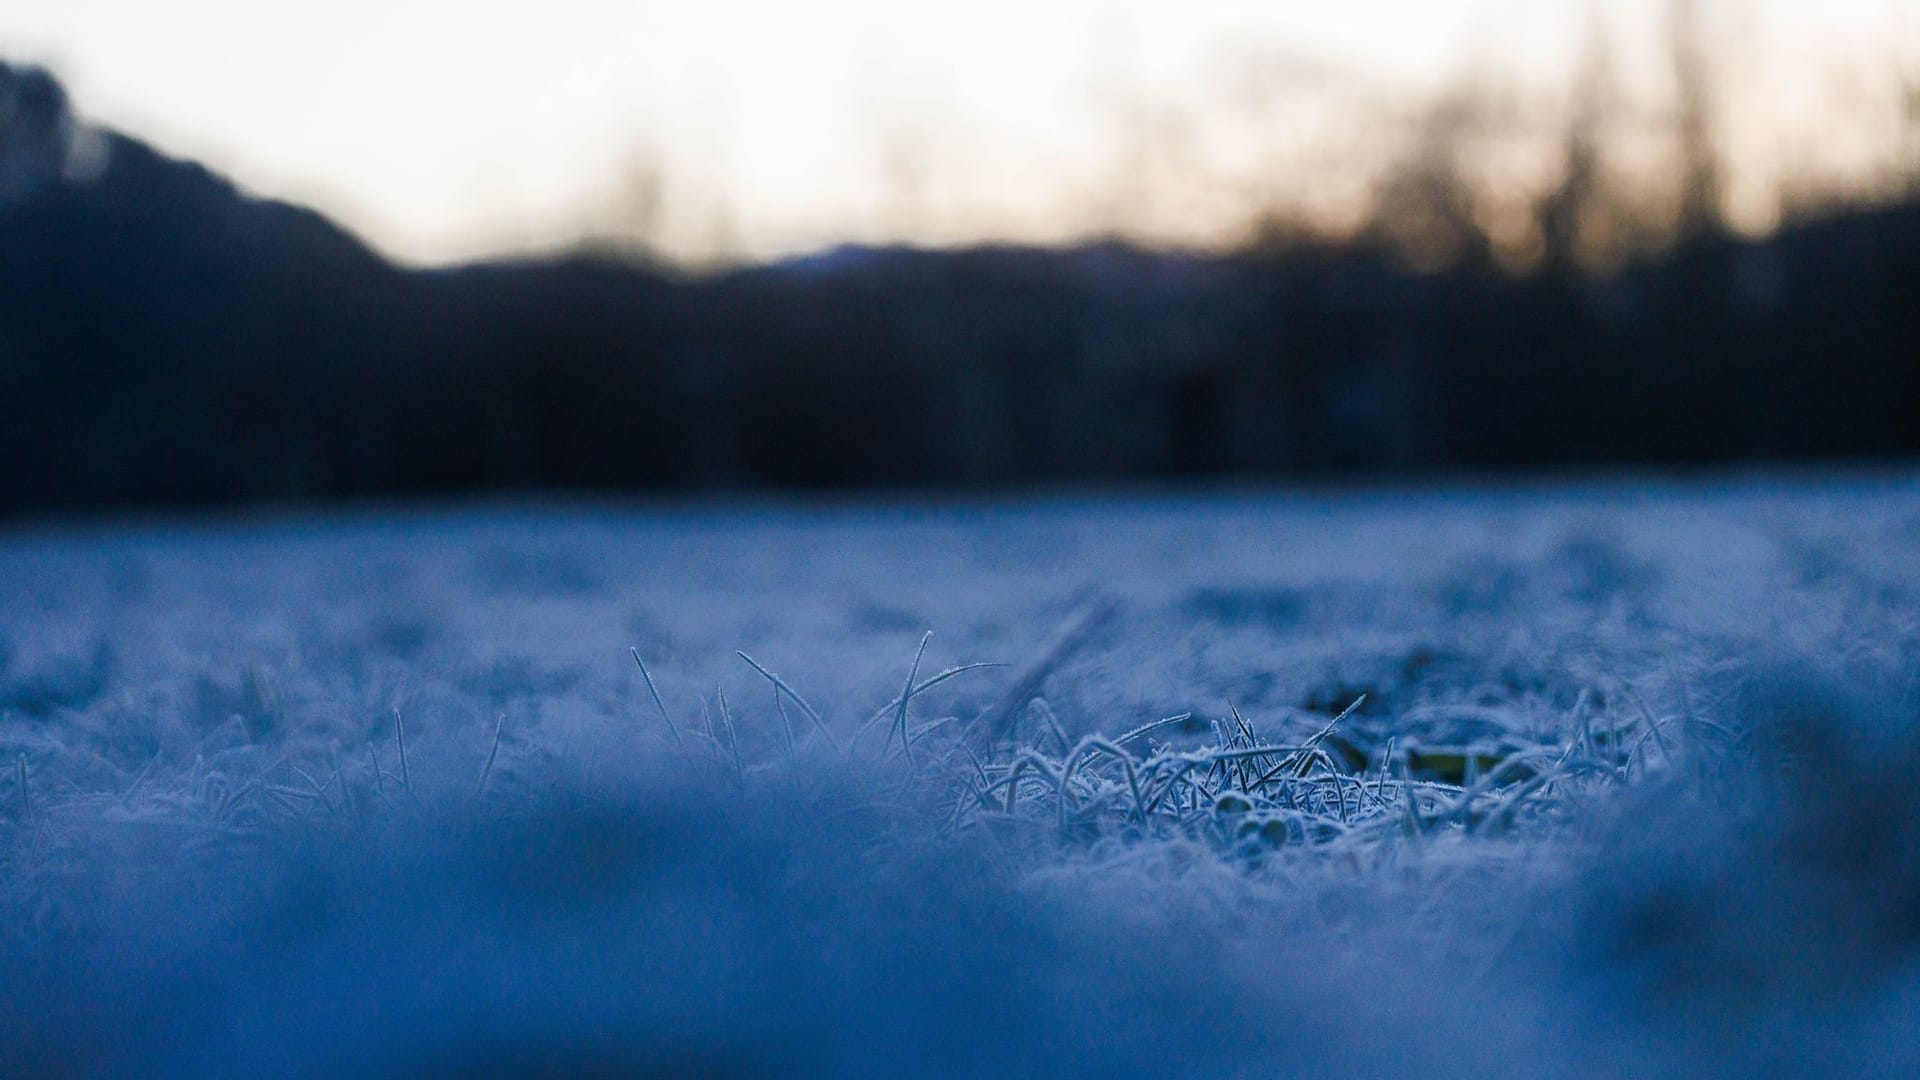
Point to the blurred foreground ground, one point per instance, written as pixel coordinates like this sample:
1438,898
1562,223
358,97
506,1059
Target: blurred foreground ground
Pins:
219,859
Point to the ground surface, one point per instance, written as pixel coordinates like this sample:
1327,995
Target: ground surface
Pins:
1625,784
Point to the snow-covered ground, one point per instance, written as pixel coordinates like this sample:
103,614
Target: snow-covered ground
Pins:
1628,784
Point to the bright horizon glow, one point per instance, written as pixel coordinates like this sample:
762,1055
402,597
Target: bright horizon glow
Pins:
442,131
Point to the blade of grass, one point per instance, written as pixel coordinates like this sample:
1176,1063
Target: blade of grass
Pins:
786,722
1156,725
1046,713
406,770
931,682
1074,633
733,736
657,703
906,697
487,769
799,702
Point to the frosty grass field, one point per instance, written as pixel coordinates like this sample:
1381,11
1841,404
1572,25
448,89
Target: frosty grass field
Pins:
1625,779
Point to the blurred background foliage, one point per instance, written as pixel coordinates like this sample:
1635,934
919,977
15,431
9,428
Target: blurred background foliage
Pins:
1508,285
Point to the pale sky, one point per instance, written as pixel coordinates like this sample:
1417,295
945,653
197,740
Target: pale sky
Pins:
450,129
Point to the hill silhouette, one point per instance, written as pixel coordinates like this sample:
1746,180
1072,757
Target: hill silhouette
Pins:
167,338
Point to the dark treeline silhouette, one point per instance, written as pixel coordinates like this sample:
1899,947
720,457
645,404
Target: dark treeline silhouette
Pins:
165,339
